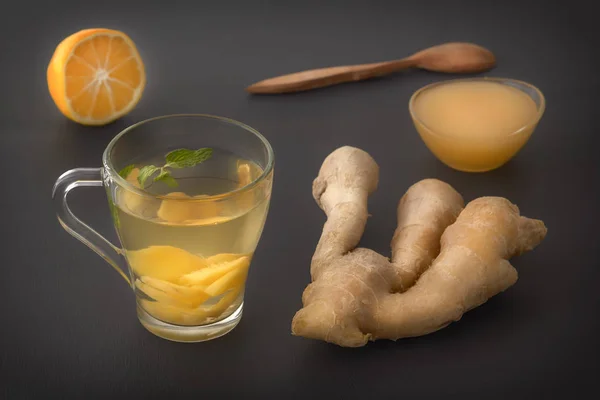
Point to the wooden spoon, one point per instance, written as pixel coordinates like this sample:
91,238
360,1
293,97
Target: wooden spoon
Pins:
448,57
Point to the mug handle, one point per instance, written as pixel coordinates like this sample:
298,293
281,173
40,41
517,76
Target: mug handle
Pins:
78,229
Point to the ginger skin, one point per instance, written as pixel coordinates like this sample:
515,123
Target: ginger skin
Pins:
445,260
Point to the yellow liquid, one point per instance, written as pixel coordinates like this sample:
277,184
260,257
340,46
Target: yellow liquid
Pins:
189,256
474,125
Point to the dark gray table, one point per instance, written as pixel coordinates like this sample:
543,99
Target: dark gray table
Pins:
68,327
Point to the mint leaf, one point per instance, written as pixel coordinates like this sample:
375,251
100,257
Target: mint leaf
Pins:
126,171
145,173
179,156
170,181
165,176
182,158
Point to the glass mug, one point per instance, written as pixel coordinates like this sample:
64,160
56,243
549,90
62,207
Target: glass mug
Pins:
186,250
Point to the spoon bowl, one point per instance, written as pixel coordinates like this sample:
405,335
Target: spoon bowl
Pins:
455,58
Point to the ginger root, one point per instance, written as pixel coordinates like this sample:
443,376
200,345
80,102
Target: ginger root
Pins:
445,261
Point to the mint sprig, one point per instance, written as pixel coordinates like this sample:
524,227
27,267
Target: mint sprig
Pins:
180,158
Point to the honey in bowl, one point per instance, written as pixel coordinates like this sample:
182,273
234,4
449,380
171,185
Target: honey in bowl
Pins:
478,124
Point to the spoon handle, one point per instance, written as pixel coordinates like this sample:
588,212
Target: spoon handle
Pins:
317,78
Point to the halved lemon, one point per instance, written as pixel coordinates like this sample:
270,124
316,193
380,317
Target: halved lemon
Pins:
96,76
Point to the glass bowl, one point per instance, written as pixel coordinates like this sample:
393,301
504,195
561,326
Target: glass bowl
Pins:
472,155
